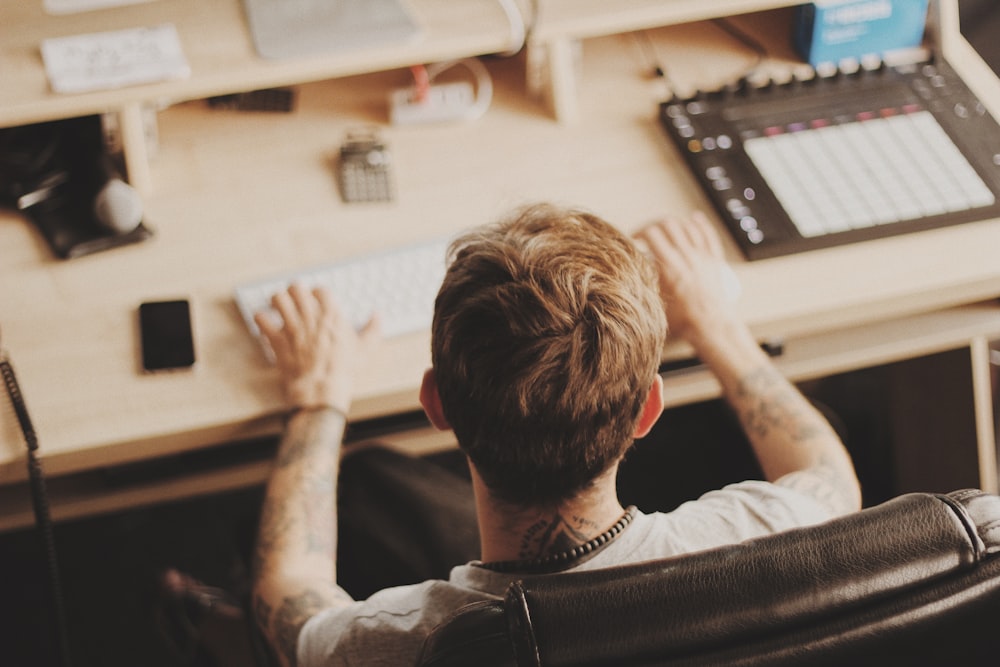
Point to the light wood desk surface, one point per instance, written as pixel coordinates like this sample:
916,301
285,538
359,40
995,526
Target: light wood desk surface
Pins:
238,196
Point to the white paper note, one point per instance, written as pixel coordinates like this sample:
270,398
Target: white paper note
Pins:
103,60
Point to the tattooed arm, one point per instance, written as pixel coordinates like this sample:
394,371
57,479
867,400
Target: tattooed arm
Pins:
793,442
316,353
295,557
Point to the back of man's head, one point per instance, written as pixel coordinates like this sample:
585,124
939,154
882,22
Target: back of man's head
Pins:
547,334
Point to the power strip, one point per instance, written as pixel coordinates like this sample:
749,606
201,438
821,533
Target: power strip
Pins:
444,102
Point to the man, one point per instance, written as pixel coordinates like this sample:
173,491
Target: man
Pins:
547,336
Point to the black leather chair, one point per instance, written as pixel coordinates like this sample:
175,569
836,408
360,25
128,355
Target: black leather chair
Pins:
913,581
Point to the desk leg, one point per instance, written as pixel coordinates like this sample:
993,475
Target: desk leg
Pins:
940,415
985,419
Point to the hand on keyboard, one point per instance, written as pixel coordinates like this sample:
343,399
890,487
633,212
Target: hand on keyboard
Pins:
399,285
318,353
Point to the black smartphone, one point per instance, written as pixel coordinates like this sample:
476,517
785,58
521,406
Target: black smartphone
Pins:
166,336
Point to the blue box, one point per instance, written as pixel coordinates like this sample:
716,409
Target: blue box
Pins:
832,31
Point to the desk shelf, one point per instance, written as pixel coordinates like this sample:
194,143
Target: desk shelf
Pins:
218,47
916,340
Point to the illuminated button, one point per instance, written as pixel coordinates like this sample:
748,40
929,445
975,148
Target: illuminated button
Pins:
749,194
695,108
715,172
686,132
755,236
724,141
721,184
694,146
748,223
708,143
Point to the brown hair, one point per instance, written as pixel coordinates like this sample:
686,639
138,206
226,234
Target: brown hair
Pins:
548,330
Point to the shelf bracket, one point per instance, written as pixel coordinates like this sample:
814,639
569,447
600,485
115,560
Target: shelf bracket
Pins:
133,137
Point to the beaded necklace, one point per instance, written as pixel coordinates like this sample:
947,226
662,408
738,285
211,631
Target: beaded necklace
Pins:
564,559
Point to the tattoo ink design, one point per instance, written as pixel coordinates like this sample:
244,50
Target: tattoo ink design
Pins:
289,619
553,535
767,404
262,612
274,524
292,452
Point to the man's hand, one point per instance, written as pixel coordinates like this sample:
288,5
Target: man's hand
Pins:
691,266
317,351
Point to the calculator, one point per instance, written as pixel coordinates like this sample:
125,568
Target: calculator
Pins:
363,171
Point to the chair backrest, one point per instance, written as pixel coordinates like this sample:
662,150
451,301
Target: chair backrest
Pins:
915,580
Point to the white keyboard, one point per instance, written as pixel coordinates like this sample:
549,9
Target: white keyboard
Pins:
399,284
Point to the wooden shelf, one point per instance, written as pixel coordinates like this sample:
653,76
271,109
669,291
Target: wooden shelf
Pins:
217,43
218,46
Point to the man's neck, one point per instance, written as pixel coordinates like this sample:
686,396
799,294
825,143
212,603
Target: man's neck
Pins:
533,533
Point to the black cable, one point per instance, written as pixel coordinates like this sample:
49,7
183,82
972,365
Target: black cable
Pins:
40,503
657,68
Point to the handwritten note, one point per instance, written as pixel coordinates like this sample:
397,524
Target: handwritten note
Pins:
103,60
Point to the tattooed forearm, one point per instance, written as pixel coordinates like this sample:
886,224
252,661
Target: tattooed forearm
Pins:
766,402
793,441
293,449
295,554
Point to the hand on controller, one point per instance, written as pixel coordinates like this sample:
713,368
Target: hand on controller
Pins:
698,287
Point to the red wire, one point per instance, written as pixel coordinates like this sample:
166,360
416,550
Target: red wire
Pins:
421,83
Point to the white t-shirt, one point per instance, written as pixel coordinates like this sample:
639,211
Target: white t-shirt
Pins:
389,627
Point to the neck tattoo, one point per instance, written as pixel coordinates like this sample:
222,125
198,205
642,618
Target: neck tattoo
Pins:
565,559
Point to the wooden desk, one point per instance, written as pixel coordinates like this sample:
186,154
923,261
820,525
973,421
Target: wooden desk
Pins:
234,197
